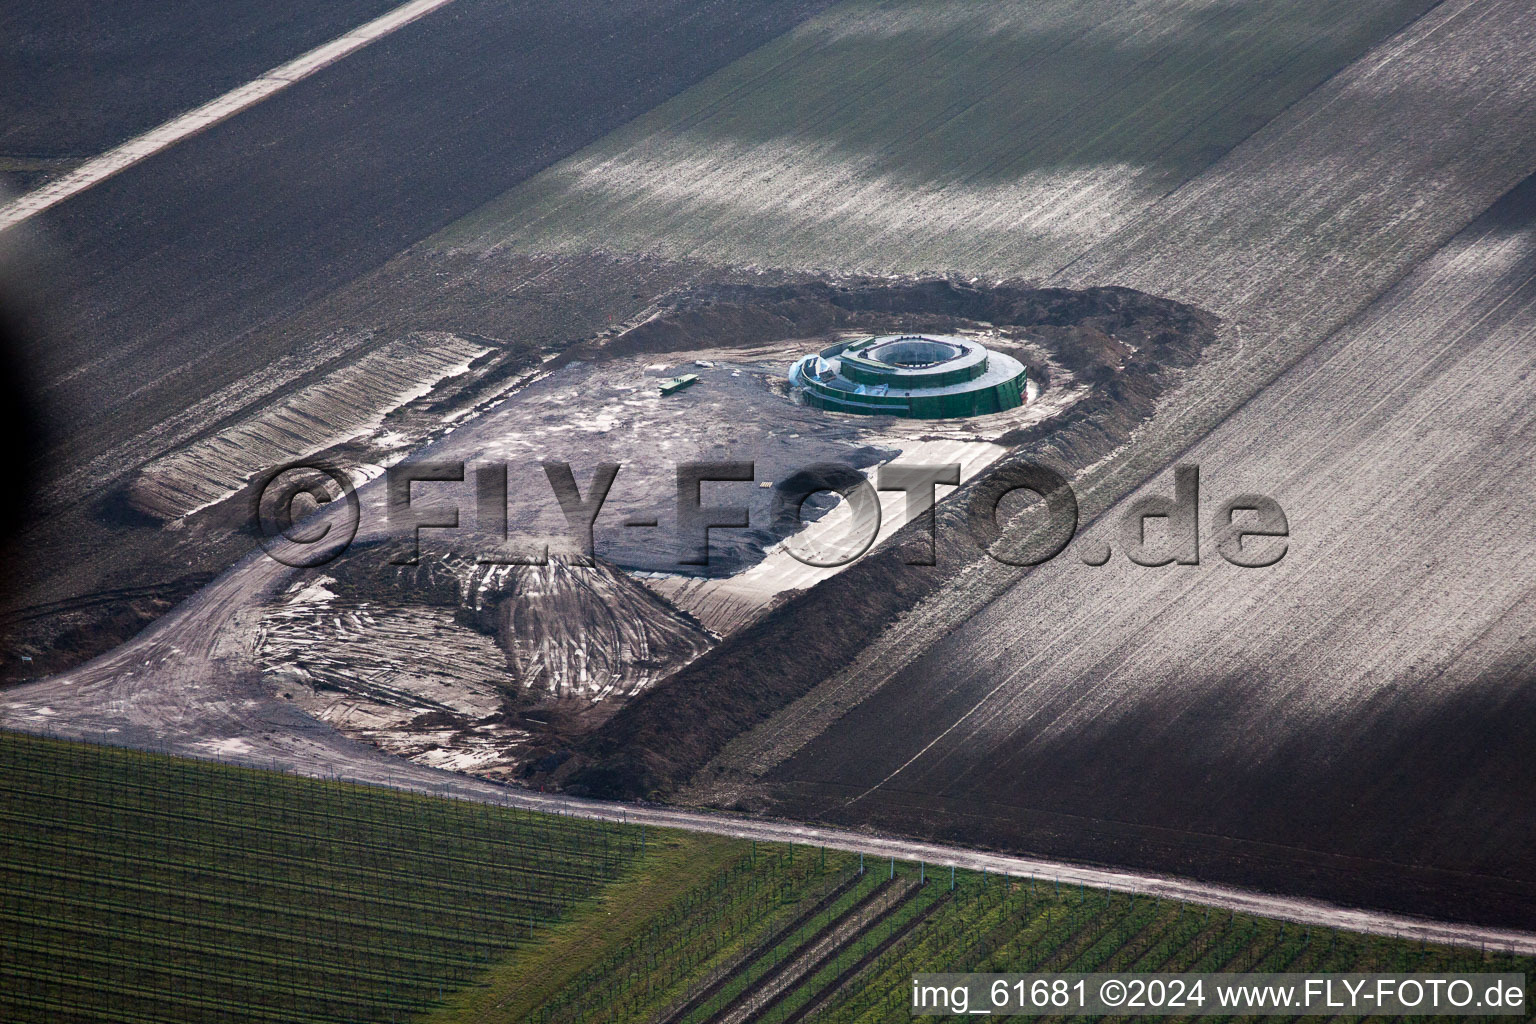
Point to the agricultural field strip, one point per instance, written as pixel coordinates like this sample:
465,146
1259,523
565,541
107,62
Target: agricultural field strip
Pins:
830,989
609,977
814,1001
1305,912
719,904
697,936
751,966
511,909
842,963
421,882
783,972
239,960
526,838
46,1004
157,1002
824,977
314,948
376,849
375,852
261,922
975,923
1264,204
242,97
33,877
246,927
399,974
316,981
449,862
232,989
1477,336
922,954
879,170
367,767
310,912
1148,927
320,987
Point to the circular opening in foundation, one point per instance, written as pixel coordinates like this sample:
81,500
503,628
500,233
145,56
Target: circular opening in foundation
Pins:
915,352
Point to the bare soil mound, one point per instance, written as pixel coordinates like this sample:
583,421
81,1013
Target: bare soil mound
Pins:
567,630
467,666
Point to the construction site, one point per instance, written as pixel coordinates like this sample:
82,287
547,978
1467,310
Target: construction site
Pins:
553,256
911,375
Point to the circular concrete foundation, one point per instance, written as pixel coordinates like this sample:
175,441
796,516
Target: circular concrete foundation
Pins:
918,376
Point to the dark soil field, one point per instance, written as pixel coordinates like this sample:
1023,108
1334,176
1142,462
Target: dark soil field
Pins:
77,79
1271,727
144,284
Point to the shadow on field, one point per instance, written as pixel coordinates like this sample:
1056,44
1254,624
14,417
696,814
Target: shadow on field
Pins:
988,92
1377,809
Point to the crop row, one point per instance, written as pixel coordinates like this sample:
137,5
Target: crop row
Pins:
198,896
137,887
151,780
780,950
830,975
329,819
702,935
991,927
